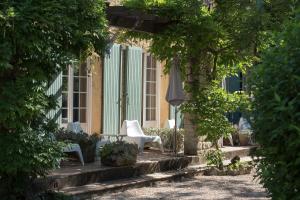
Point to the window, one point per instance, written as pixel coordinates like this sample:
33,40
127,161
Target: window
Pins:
65,89
80,93
75,94
150,89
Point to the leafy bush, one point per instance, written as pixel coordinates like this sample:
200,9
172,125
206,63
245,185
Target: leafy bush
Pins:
119,154
276,85
214,158
38,39
167,137
86,142
236,164
23,158
209,108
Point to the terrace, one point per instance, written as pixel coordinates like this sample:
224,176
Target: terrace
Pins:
94,178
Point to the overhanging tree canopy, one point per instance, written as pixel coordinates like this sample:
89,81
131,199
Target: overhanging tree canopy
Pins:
212,42
37,39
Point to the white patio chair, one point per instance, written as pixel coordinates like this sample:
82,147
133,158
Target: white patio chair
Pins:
245,128
100,144
74,148
170,124
74,127
136,135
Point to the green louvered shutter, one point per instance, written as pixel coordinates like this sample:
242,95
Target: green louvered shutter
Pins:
134,78
111,96
179,116
55,88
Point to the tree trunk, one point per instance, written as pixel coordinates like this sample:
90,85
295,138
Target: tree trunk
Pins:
196,79
190,136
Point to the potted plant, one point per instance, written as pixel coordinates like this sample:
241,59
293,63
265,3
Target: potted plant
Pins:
119,153
86,142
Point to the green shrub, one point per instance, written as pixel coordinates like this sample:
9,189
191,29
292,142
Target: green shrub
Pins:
276,85
236,164
23,158
209,107
119,154
37,40
86,142
214,158
167,137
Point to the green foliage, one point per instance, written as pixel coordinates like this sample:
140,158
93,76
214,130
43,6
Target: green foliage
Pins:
24,157
239,168
235,164
214,158
87,142
213,42
167,137
209,108
276,88
82,137
37,39
119,154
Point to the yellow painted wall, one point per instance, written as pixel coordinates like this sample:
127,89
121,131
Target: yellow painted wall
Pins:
164,105
96,95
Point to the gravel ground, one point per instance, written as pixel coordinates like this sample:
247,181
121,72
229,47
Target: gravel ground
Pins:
199,187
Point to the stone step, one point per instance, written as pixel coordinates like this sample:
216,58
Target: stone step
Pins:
92,190
98,173
80,176
241,151
229,153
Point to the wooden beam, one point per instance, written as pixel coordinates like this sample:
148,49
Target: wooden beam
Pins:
124,17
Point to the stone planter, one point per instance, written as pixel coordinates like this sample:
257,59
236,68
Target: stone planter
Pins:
118,154
244,139
88,151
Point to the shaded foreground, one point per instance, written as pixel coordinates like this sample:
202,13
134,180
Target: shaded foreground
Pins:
199,187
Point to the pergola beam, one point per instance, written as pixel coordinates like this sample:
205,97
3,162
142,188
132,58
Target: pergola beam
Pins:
137,20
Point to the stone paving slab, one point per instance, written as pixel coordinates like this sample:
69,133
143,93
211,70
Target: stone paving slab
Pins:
93,190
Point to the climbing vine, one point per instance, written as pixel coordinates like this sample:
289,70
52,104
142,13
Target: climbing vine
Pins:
214,40
206,38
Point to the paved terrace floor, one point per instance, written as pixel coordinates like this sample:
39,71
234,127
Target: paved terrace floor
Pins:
74,167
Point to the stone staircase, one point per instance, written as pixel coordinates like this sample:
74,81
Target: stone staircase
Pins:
92,180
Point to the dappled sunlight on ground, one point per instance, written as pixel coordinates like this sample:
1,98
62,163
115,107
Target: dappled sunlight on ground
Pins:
200,187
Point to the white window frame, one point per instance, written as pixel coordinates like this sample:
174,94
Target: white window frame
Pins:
152,123
85,126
